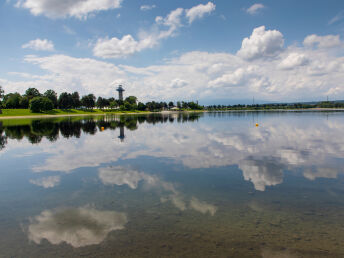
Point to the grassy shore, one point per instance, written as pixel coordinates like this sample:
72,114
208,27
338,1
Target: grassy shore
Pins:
6,113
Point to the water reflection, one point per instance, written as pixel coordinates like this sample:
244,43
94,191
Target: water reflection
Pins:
185,182
167,191
3,139
125,176
263,154
46,182
262,173
76,226
51,129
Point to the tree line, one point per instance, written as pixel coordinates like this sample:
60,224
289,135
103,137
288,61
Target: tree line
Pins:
40,102
51,129
322,104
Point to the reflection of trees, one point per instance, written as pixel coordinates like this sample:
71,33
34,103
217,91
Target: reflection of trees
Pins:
3,139
17,132
45,128
89,126
70,129
51,129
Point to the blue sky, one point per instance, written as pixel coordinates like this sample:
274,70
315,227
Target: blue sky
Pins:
212,51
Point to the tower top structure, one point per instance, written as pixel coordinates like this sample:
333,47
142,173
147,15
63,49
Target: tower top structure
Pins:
120,92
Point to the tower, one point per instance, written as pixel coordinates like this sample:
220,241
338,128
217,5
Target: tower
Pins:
120,92
121,133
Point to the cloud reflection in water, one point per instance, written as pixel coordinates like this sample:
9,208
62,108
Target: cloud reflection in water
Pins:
261,153
76,226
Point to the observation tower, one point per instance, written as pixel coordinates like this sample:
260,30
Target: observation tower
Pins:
120,92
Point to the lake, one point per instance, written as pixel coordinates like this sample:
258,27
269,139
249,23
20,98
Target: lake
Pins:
178,185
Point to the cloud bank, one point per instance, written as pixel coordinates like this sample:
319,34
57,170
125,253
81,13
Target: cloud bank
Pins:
40,45
263,67
80,9
163,28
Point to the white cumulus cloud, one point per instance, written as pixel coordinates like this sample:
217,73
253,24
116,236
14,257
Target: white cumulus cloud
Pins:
328,41
67,8
294,71
199,11
40,45
261,43
255,8
293,60
163,28
117,48
147,7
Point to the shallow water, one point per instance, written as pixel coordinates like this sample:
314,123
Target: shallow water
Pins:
187,185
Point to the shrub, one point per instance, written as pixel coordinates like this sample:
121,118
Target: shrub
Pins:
39,104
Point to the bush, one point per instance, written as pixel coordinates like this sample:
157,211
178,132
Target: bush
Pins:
39,104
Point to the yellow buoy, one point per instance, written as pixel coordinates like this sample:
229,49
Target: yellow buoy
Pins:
102,128
257,124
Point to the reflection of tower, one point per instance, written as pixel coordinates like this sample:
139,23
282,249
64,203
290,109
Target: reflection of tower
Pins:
120,92
121,133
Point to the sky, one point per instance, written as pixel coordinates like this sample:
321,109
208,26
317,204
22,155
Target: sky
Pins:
216,52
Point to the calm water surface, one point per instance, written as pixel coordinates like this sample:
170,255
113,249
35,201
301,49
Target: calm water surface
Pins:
192,185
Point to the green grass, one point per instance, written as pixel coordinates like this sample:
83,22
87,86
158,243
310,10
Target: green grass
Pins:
27,112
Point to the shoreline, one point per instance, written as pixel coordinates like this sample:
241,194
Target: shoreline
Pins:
97,114
171,112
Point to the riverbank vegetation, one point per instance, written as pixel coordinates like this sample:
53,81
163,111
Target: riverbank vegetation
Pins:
279,106
50,103
34,102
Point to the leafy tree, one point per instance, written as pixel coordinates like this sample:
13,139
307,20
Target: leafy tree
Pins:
127,105
65,100
131,99
195,106
102,102
170,104
76,99
12,100
31,93
2,92
141,106
179,105
52,95
24,102
88,101
39,104
113,104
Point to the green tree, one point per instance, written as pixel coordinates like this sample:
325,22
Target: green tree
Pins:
141,106
65,100
31,93
127,105
24,102
76,99
12,100
2,92
113,104
52,95
131,99
170,104
179,105
39,104
88,101
102,102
